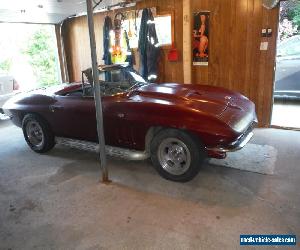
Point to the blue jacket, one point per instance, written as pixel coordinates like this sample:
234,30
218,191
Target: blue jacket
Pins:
148,46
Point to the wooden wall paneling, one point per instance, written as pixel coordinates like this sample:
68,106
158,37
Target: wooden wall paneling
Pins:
254,80
232,34
236,61
223,50
187,41
63,72
216,42
262,72
66,34
240,45
250,56
77,46
177,67
269,80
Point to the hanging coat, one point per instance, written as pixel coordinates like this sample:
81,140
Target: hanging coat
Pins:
148,46
129,58
106,40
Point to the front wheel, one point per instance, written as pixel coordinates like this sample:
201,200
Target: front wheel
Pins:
37,133
176,155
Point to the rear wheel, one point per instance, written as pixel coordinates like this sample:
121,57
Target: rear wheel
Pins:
37,133
176,155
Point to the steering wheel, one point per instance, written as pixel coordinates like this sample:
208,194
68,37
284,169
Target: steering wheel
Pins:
113,90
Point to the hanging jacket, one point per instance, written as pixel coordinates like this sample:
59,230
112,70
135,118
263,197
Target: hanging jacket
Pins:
153,50
142,44
106,40
148,46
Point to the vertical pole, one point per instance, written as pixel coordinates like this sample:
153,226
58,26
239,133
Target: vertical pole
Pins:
97,92
187,42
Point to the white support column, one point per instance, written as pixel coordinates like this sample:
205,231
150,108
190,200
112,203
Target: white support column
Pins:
187,42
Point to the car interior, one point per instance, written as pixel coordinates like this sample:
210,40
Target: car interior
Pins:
111,82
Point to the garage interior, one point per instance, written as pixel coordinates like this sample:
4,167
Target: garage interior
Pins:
57,200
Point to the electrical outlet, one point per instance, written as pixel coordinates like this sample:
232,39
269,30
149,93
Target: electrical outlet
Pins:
264,46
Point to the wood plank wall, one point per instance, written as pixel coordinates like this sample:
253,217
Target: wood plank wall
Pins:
76,40
236,61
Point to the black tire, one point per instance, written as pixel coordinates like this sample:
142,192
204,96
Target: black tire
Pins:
47,138
188,145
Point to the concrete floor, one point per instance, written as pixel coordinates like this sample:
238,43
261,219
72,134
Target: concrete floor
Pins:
55,201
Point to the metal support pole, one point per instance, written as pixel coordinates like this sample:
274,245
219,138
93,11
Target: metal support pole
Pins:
97,92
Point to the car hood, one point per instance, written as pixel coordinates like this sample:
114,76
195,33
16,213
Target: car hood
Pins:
211,99
228,106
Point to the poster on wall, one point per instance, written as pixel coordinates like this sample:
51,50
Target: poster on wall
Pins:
201,38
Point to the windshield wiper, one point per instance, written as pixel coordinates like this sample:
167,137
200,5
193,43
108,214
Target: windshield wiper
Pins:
138,85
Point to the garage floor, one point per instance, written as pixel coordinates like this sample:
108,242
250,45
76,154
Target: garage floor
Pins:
55,201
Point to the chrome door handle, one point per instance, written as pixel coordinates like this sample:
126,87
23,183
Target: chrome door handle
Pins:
55,108
120,115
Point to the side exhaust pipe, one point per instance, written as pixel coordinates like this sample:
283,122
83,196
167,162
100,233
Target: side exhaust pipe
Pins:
123,153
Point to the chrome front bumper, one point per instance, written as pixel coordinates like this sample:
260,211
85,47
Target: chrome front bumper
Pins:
238,144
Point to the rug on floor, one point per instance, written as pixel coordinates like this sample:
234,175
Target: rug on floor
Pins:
253,157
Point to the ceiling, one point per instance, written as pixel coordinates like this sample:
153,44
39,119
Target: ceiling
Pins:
44,11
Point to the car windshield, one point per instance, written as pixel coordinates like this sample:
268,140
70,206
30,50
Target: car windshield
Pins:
116,80
137,77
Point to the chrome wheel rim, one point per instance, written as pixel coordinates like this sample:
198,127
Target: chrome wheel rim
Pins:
174,156
34,134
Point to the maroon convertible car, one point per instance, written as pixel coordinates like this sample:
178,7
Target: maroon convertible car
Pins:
177,125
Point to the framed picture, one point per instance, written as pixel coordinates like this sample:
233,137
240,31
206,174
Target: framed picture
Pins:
201,38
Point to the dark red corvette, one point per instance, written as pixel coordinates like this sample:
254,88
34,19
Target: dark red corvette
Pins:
177,125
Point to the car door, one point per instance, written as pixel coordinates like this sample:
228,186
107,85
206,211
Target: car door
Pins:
74,117
117,127
122,126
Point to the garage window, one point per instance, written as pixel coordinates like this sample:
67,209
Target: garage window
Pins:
164,29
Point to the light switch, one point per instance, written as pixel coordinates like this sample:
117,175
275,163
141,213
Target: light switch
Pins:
264,45
269,32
